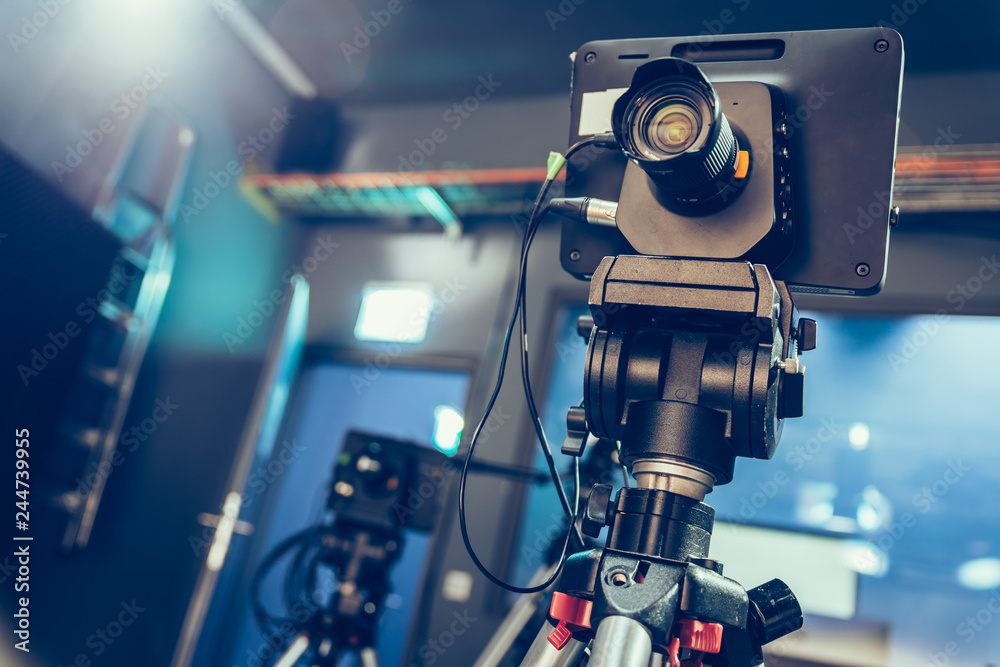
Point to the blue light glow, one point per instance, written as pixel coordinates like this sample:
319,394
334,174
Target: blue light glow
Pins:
448,425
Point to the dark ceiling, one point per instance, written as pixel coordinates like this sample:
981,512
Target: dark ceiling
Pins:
436,50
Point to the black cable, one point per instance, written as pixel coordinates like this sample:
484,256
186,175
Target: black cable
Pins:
529,397
534,221
475,437
314,597
264,619
290,584
605,140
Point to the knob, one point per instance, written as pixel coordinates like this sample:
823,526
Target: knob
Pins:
595,516
776,610
805,334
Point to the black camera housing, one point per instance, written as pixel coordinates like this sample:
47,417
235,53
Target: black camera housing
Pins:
822,142
753,223
387,483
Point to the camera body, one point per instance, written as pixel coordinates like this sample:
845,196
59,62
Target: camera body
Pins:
387,483
753,222
816,111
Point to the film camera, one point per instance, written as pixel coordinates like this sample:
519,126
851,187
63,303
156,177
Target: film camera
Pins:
746,170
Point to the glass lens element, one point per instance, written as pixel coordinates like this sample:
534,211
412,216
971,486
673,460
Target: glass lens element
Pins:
673,127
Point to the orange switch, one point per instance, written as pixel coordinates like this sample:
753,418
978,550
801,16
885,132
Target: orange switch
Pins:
742,164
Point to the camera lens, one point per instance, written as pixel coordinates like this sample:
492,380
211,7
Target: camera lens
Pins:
673,128
670,122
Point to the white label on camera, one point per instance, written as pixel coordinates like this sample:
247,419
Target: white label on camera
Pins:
595,111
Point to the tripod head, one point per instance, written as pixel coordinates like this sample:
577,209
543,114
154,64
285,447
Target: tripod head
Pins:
694,363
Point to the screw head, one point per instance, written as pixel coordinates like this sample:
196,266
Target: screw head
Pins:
862,269
590,57
882,46
619,579
574,255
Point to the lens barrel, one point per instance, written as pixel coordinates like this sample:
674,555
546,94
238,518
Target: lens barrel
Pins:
670,122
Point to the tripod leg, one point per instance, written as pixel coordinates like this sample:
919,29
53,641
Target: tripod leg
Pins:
293,652
544,654
518,617
513,623
368,657
621,642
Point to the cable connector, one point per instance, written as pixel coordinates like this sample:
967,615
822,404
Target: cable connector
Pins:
586,209
606,140
554,165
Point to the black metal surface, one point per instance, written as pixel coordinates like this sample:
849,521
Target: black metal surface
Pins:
576,432
654,604
793,397
777,609
595,513
654,569
713,598
832,111
805,335
657,523
682,431
683,362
